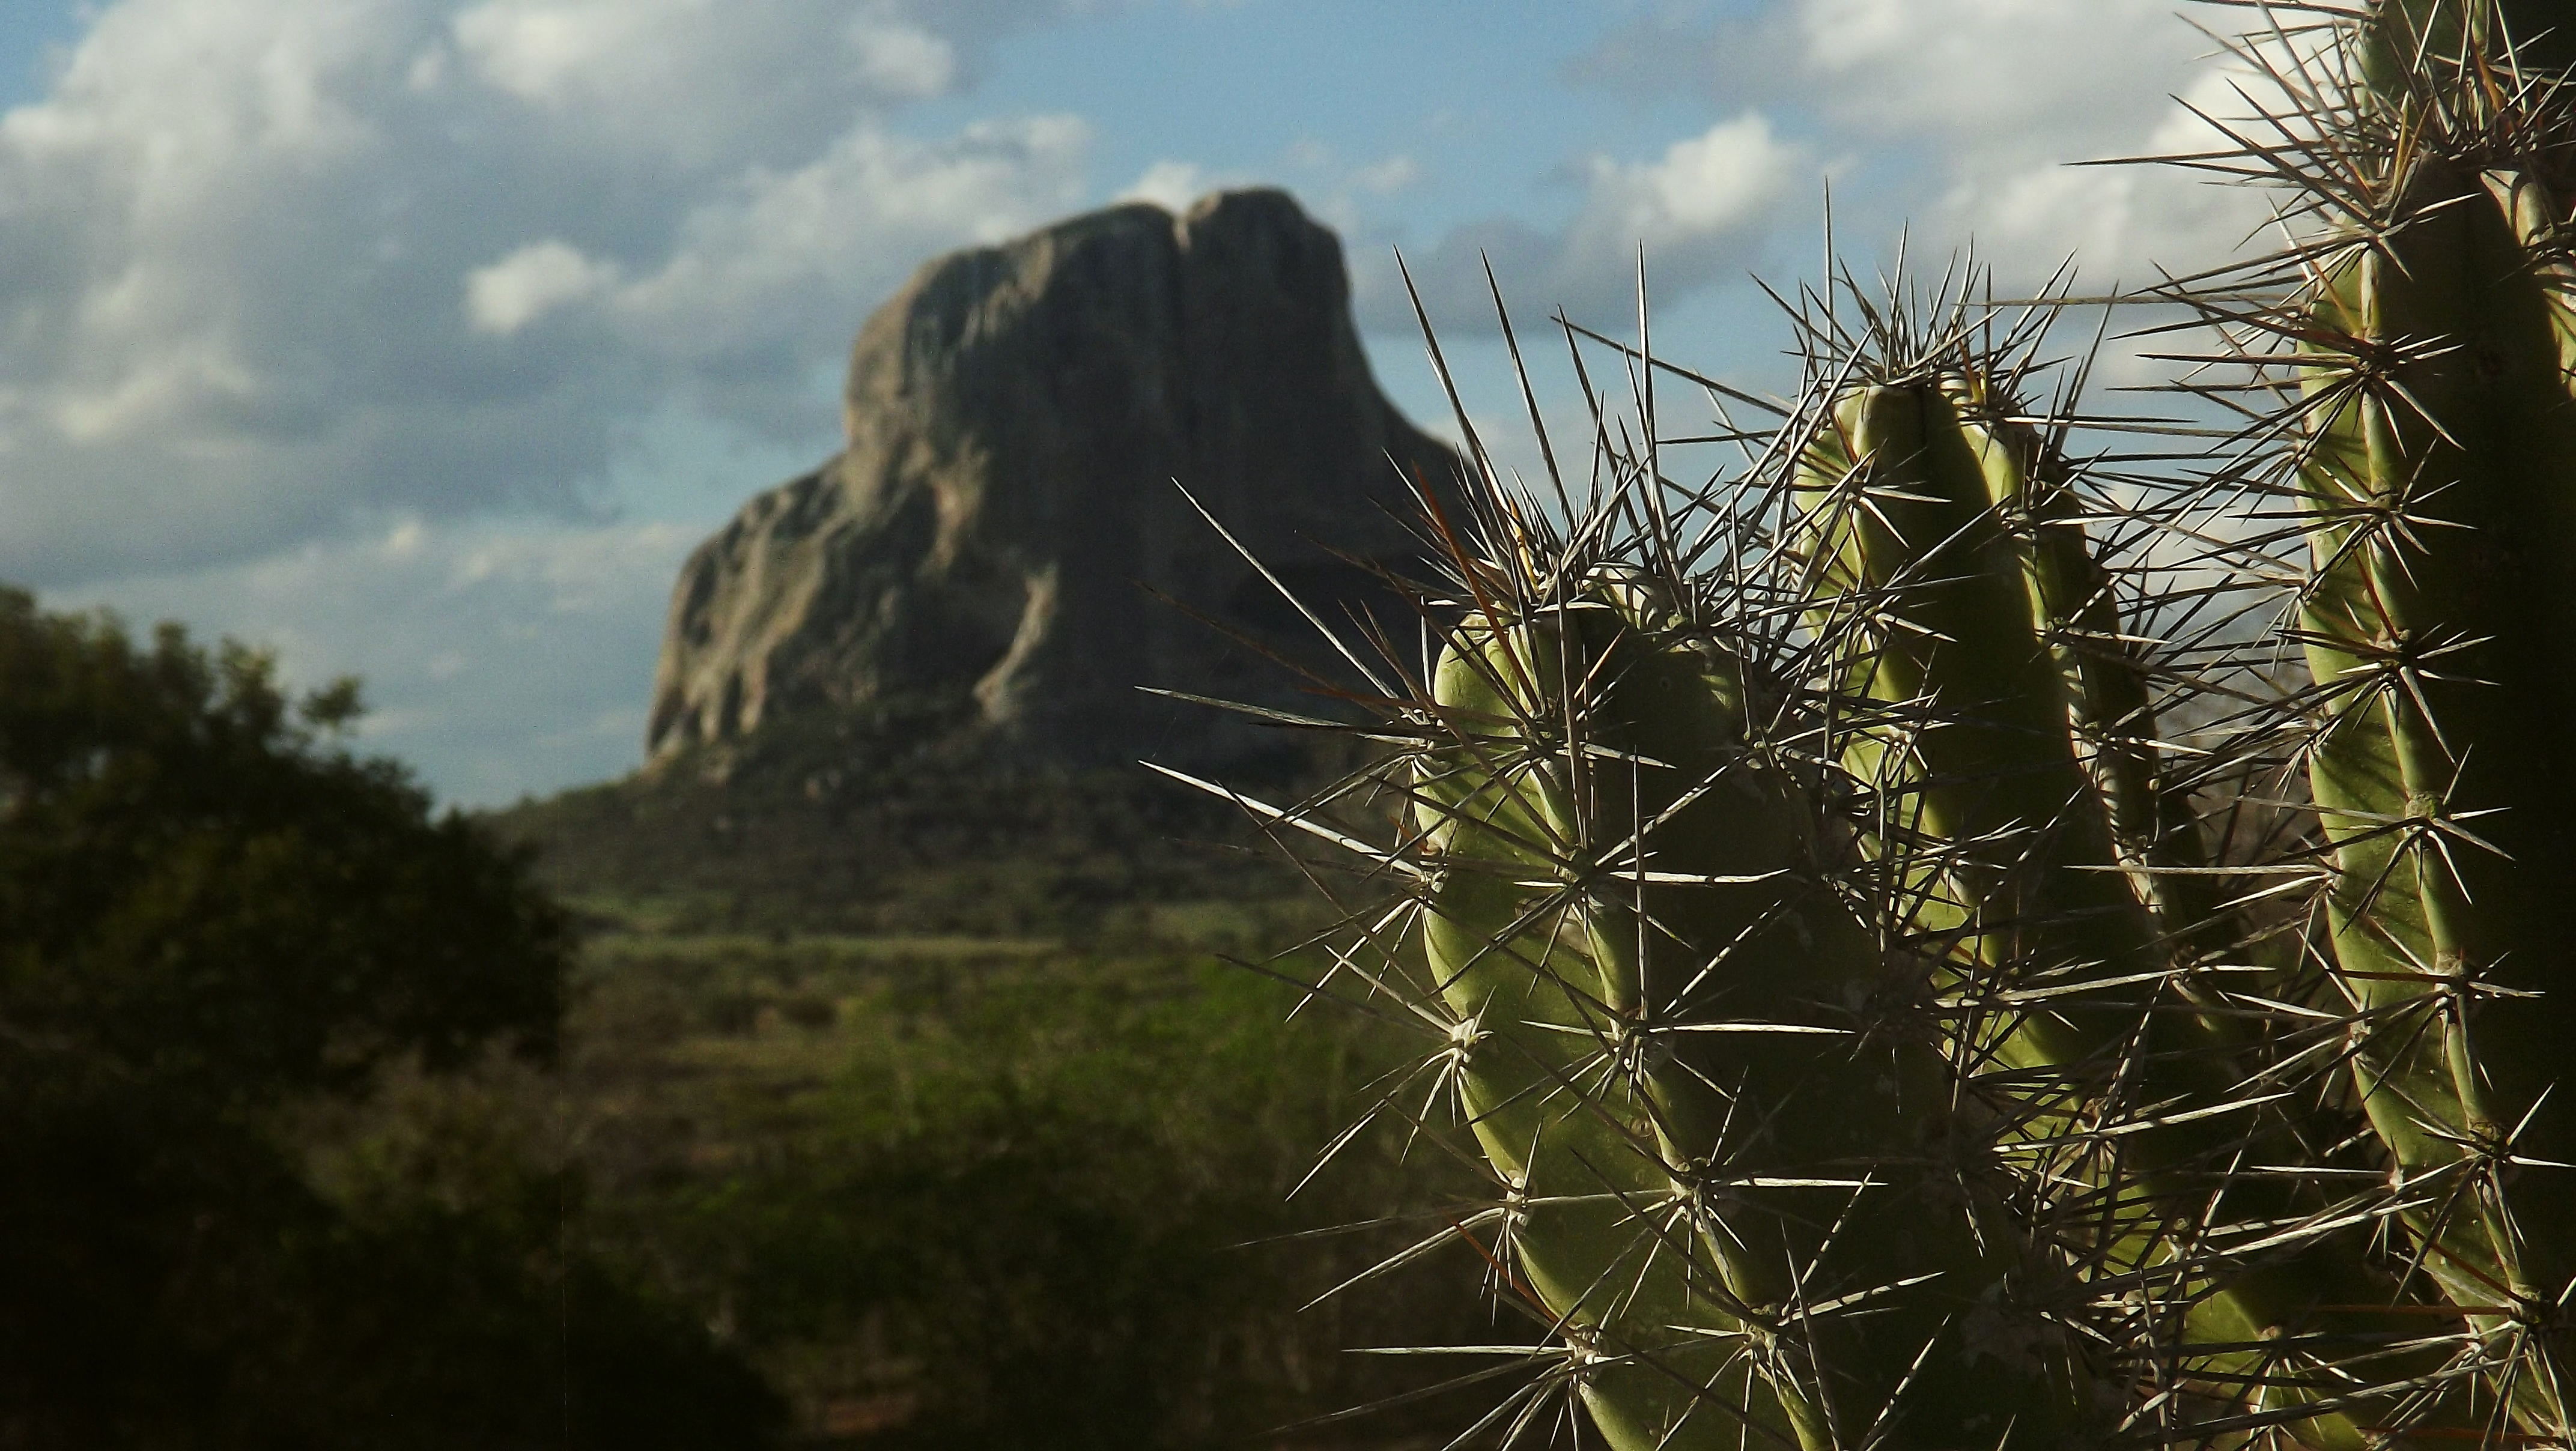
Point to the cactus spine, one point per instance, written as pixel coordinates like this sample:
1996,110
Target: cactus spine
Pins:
1724,1167
2007,730
2438,469
1877,1033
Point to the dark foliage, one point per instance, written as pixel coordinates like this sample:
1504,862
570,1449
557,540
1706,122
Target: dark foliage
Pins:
210,914
199,889
168,1280
1035,1202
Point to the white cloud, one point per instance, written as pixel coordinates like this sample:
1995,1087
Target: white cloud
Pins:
694,82
457,628
530,282
1702,189
1985,90
552,53
1960,118
1388,176
1171,185
903,60
1703,207
269,265
2003,71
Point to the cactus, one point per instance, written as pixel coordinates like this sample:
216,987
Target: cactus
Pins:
1877,1026
1725,1161
2437,465
2005,729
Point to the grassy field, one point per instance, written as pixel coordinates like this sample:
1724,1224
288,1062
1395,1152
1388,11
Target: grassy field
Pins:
932,1091
947,1190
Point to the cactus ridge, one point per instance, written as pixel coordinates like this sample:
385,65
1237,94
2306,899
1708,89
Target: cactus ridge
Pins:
2075,925
2431,446
1943,919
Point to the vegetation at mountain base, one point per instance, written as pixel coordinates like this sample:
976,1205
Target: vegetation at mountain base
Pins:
890,822
953,1191
930,1086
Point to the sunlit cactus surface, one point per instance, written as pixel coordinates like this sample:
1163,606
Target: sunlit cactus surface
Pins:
1945,914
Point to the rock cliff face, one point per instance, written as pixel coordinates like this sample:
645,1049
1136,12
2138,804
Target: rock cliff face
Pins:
982,557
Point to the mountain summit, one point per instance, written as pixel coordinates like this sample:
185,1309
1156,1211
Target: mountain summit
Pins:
981,560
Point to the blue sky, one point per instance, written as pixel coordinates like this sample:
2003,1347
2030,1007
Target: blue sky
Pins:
420,339
32,34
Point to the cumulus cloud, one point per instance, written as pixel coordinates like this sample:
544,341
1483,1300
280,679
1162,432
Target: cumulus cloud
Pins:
1970,111
779,254
1171,185
530,282
1702,189
271,266
1997,70
460,626
699,83
1951,120
1701,208
904,60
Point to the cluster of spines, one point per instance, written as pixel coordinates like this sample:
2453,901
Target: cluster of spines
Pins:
1725,805
2419,341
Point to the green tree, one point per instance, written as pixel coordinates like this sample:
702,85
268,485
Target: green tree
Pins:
211,912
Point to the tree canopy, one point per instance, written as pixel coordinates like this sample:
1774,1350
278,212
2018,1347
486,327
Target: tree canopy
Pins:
200,886
212,913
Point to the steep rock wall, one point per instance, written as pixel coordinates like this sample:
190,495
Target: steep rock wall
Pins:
984,555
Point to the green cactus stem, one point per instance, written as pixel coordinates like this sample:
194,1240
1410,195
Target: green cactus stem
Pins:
1990,671
2109,708
2018,753
2441,478
1836,978
2406,43
1683,1058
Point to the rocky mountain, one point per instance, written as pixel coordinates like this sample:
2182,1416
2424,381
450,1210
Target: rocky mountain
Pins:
982,561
